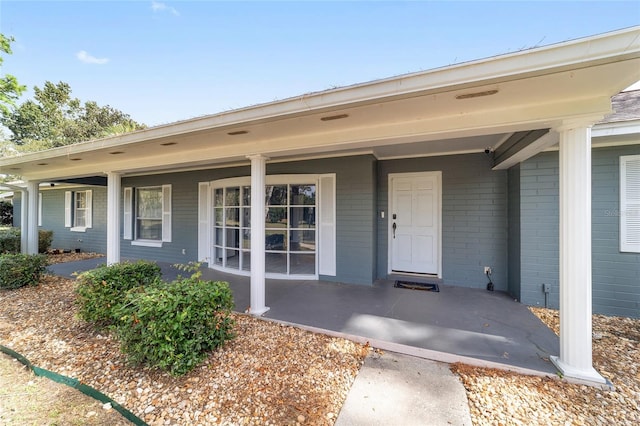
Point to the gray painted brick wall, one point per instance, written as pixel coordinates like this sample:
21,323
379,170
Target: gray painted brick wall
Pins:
514,232
93,240
355,194
539,221
355,212
616,275
184,215
474,217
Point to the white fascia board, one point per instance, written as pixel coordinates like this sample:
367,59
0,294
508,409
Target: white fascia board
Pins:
621,128
610,47
22,186
14,187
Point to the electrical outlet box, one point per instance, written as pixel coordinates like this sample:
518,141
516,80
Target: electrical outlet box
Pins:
487,270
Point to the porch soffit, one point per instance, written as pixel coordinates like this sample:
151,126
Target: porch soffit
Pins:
415,115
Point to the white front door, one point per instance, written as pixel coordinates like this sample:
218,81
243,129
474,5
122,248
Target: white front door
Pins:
414,222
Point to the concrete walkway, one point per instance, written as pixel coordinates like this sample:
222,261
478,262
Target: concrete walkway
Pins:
414,327
395,389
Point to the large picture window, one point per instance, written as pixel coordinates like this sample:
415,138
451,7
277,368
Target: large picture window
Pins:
290,228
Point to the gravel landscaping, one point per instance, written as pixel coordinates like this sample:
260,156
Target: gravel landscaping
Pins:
501,398
57,256
277,374
269,374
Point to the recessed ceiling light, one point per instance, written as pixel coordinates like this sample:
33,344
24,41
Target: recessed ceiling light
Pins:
238,132
42,164
116,152
477,94
169,143
75,159
334,117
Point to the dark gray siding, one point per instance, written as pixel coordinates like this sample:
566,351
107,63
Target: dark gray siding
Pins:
616,275
514,232
474,217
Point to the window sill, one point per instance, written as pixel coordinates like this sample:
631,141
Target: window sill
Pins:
78,229
146,243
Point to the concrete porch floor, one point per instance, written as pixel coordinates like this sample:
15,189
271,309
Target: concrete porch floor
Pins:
456,324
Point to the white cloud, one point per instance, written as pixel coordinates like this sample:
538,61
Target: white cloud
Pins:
83,56
159,7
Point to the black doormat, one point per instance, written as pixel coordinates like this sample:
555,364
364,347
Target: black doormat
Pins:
417,286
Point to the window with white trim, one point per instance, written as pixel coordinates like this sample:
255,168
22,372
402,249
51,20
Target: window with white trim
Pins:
147,215
630,203
299,225
40,209
290,228
78,210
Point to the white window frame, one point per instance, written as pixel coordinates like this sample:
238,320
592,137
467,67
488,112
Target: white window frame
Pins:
130,216
71,212
325,252
40,209
630,203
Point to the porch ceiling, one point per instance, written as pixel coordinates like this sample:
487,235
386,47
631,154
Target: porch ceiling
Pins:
458,109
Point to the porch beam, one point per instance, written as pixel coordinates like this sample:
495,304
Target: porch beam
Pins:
113,217
575,358
33,188
258,180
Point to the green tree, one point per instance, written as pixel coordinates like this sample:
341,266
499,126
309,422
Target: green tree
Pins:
10,89
54,118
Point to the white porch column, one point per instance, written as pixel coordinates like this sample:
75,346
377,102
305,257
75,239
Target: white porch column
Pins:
24,221
575,358
33,187
113,217
258,179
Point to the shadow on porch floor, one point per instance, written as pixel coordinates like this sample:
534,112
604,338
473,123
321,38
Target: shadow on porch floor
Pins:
454,324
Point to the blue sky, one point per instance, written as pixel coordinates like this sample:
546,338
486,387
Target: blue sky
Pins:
163,61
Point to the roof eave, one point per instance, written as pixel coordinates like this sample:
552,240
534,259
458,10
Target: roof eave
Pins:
611,47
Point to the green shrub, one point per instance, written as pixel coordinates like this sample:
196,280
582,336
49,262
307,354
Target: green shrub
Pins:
102,290
173,326
19,270
10,240
44,240
6,213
